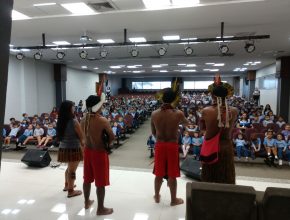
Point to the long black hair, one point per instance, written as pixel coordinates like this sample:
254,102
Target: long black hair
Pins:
64,115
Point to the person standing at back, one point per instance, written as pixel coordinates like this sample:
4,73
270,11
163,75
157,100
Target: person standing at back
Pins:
96,160
71,142
164,125
218,121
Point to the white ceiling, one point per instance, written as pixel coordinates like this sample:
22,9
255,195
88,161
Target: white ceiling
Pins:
241,17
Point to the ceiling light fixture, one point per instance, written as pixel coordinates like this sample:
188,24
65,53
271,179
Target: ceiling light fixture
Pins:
115,67
106,41
134,52
84,67
61,42
163,71
171,37
44,4
162,51
37,55
224,49
153,4
19,56
218,64
250,47
137,39
191,65
132,67
83,54
156,66
16,15
188,51
60,55
79,8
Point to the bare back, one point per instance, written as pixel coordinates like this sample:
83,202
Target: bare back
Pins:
165,124
209,122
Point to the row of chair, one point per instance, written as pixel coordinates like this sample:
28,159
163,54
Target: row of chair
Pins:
212,201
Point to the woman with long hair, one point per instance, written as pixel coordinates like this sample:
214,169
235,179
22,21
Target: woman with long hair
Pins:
70,135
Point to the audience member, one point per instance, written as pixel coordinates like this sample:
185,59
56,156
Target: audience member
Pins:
197,143
186,142
241,146
281,146
27,133
269,143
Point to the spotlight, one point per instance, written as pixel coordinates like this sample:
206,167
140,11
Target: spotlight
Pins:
224,49
37,55
85,38
250,47
162,51
60,55
134,52
83,54
188,51
19,56
104,53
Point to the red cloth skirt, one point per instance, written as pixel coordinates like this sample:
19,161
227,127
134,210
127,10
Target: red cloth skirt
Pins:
96,167
166,159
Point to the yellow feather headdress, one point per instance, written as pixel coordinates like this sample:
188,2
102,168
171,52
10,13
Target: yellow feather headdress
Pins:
176,89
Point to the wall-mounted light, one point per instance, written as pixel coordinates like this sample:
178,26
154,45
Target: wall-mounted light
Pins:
19,56
250,47
83,54
60,55
162,51
37,55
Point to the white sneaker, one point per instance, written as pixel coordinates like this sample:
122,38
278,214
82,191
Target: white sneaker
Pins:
246,159
52,146
289,163
280,162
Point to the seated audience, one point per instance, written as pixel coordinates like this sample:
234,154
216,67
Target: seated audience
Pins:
281,146
241,146
267,121
280,122
37,133
54,113
286,132
255,145
269,143
51,133
288,152
3,133
244,122
197,143
12,122
186,142
12,135
27,133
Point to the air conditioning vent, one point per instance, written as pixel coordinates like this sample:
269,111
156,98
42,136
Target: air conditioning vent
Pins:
102,7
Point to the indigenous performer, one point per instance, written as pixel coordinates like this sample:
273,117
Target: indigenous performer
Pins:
164,124
71,142
217,121
96,160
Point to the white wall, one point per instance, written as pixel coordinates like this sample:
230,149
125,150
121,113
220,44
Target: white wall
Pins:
30,88
80,84
267,96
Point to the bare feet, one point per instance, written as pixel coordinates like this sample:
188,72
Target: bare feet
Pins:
177,201
105,211
88,204
73,193
157,198
65,188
